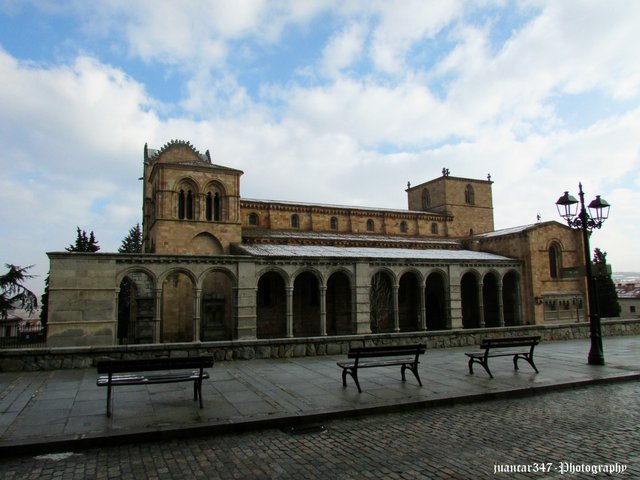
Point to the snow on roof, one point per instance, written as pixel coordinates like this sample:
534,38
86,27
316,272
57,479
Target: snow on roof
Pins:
367,252
507,231
329,236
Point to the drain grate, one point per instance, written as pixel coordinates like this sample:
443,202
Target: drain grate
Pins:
305,429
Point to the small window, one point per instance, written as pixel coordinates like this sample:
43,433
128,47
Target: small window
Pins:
181,201
253,219
632,309
469,195
334,223
216,207
554,261
370,225
208,207
189,206
403,227
295,221
434,228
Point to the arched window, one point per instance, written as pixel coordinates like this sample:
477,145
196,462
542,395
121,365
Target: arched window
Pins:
434,228
426,199
370,225
253,219
216,207
333,223
208,207
403,227
295,221
181,201
469,196
554,260
189,205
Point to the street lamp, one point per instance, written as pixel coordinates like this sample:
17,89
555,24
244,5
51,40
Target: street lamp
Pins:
598,213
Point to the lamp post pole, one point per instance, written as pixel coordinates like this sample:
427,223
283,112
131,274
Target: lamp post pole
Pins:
596,353
600,211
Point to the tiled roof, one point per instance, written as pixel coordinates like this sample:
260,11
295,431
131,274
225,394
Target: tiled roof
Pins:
325,251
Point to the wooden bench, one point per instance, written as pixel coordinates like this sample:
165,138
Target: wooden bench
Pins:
384,356
495,347
132,372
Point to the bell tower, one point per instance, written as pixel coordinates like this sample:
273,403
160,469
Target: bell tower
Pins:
190,205
468,201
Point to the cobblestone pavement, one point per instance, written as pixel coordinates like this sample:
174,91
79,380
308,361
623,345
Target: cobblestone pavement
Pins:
584,429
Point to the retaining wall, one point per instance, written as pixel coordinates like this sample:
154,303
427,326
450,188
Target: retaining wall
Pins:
33,359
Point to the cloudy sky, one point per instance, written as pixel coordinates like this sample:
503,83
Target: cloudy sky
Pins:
317,101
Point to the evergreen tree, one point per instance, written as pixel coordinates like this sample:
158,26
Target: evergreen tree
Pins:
44,302
606,294
83,243
13,293
132,243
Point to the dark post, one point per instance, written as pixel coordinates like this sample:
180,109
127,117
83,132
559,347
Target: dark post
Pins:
599,209
596,354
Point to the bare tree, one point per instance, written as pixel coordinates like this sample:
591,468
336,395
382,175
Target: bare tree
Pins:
379,301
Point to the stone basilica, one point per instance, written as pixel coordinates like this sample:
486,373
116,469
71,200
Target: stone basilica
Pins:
219,267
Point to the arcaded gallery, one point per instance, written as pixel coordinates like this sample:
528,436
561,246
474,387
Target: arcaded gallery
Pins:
219,267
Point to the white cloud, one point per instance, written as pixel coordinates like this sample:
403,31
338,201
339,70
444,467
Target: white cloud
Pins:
402,23
343,49
73,133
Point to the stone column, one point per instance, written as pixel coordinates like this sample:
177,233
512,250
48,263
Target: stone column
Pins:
362,288
245,295
500,305
423,308
157,319
455,302
481,323
197,302
396,311
117,322
289,291
323,310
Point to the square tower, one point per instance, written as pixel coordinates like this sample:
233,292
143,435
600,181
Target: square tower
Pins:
468,201
190,205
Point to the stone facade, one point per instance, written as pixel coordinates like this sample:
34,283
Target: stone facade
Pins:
217,267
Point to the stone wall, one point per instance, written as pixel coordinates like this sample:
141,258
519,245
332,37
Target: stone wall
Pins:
86,357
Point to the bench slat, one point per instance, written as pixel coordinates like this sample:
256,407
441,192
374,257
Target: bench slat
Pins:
153,364
495,347
385,355
130,372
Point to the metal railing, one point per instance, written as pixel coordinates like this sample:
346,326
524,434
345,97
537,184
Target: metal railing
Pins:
27,337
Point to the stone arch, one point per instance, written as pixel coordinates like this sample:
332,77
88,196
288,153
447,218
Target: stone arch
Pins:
205,243
217,305
511,298
271,305
381,301
435,300
491,299
339,303
136,307
409,304
469,293
306,304
177,319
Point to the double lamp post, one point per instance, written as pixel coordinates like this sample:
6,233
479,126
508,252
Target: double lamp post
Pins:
598,212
